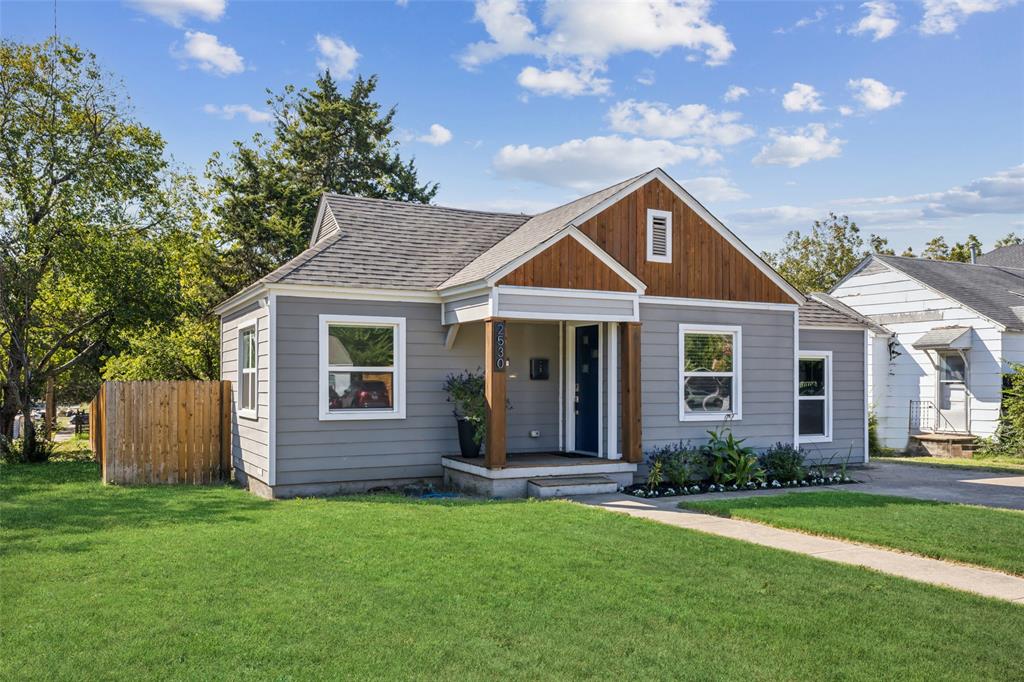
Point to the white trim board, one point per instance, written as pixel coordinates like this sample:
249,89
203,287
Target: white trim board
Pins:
716,303
272,412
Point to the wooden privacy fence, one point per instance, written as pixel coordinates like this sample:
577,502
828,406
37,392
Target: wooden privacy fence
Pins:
162,431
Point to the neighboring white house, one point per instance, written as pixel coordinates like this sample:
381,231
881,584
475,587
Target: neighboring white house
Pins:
955,327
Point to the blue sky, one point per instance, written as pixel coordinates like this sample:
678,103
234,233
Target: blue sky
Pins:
907,116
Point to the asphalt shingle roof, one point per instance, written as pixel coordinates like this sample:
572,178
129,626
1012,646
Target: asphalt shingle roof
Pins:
994,291
821,310
396,245
944,337
1011,256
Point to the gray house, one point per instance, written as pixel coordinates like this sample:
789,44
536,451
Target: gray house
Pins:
626,319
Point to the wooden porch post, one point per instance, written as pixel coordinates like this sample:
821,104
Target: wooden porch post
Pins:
495,353
632,440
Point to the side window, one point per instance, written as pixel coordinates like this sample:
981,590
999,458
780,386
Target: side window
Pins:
362,372
709,380
248,366
815,397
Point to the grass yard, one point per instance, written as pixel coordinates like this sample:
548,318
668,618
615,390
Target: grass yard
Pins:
212,583
993,463
974,535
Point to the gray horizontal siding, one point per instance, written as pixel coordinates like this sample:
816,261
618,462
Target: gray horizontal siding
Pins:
314,451
848,411
767,374
250,439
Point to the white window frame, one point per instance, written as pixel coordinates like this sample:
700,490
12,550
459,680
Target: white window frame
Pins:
397,410
737,373
825,355
253,412
653,213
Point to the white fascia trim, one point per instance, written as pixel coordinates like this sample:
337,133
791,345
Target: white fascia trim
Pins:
583,240
867,398
832,328
716,303
568,293
706,215
241,299
737,373
318,222
354,293
398,411
567,317
272,412
826,355
250,322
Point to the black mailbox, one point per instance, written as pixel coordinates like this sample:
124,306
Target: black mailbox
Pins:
539,369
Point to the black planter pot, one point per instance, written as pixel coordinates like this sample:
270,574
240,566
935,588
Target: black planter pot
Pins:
467,445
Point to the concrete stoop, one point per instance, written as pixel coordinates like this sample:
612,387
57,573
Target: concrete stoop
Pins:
568,486
943,444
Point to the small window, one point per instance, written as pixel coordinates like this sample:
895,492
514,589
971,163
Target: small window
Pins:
954,369
709,382
361,368
247,365
815,397
659,236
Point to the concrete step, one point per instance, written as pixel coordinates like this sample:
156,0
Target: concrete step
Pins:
567,486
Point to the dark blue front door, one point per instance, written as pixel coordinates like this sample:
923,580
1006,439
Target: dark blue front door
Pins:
588,358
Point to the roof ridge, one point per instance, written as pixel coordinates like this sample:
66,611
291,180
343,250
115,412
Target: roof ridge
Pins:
951,262
415,204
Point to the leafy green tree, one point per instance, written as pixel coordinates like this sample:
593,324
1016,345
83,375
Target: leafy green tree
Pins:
82,196
880,245
817,260
936,249
1009,240
267,190
965,251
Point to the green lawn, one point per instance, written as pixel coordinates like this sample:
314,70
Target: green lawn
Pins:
993,463
193,583
974,535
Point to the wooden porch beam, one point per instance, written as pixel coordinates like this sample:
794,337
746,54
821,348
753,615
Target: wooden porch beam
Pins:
632,437
495,388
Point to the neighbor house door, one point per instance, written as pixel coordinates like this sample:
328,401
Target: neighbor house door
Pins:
586,394
952,393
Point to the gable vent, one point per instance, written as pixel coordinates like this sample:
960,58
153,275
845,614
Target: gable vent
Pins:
659,236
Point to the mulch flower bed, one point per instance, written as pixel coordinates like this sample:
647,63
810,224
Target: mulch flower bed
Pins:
669,490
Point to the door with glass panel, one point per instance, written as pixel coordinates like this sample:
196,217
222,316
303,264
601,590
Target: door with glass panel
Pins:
952,392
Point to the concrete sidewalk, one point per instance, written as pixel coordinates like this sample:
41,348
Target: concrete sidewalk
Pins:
982,581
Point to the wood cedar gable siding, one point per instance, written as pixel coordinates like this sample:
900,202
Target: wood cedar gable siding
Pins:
704,264
566,264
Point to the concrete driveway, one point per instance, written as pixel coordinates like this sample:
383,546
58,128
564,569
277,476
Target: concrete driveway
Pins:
986,488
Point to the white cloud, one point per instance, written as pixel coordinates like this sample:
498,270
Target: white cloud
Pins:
438,135
562,82
945,16
810,143
802,97
845,110
174,12
336,55
714,189
776,215
210,55
591,163
229,111
580,37
694,122
734,93
819,14
874,95
880,19
645,77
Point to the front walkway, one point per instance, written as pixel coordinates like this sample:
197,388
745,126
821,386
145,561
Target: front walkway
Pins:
958,576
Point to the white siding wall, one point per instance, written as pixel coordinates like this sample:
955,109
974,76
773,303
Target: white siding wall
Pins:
249,437
881,291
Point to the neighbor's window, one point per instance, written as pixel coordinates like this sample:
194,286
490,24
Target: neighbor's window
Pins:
954,369
815,396
709,383
659,236
247,365
361,367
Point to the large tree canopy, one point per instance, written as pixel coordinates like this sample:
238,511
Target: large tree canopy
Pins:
267,190
84,199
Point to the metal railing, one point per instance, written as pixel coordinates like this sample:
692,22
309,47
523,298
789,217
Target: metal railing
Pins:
925,417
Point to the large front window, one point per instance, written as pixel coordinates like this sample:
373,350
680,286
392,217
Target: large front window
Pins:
709,382
361,367
815,397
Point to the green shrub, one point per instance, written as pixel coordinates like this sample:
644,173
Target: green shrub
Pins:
729,461
13,451
874,444
466,391
680,463
1009,437
783,462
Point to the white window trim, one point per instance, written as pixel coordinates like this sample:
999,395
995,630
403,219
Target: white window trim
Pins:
825,355
247,413
398,409
653,213
737,373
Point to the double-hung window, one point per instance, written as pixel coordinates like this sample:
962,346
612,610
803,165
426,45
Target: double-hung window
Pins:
815,396
362,367
248,363
709,378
